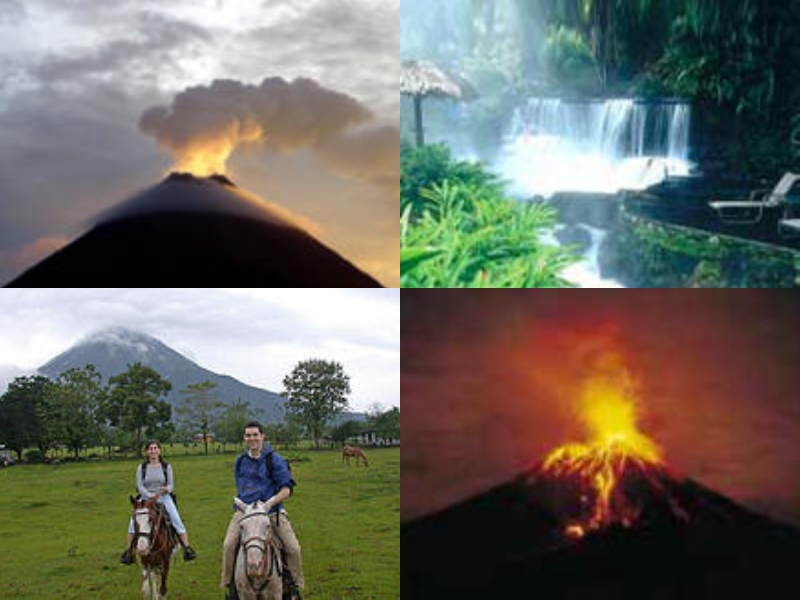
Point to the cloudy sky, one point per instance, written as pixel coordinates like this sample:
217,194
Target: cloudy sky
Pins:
498,376
257,336
76,77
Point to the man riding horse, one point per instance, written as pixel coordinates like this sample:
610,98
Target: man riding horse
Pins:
262,474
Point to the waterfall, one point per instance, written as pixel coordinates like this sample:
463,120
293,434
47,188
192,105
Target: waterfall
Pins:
556,145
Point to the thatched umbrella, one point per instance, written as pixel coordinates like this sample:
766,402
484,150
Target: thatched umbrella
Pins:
422,78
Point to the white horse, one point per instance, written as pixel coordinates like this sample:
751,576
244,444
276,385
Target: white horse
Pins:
258,565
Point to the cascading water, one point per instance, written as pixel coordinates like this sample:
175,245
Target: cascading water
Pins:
554,145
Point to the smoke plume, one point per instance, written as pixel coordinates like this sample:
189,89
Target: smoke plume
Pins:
205,124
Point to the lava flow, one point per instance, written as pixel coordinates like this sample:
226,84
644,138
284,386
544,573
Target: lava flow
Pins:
610,479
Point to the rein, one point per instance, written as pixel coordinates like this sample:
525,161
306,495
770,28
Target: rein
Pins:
267,547
155,528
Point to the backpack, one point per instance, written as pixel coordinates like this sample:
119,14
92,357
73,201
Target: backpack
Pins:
143,467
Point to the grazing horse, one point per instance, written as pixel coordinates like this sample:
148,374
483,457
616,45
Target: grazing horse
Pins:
349,452
259,568
154,541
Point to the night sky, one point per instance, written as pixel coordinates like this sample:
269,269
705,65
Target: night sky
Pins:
490,384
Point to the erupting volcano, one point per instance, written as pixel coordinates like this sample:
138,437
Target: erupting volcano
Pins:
602,519
614,479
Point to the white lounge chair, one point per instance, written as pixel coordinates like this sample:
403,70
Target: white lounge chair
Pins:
752,210
789,228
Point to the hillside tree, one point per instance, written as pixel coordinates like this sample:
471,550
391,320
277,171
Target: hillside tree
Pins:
74,414
387,424
22,408
136,401
316,392
201,408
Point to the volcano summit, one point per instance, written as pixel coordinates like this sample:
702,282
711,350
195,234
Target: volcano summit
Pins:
190,232
599,522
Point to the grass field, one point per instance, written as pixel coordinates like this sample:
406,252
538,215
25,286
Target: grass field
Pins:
62,528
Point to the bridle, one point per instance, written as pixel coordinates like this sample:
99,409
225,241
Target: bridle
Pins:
262,544
155,525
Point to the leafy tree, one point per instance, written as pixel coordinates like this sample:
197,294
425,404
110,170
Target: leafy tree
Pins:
346,430
135,401
75,412
231,422
316,391
31,396
200,407
387,424
283,434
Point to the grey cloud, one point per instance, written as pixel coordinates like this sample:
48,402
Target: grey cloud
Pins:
154,37
369,154
351,45
12,12
64,156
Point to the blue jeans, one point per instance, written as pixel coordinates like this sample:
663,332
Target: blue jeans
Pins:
172,511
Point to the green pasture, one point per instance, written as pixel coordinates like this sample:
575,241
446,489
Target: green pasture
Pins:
62,527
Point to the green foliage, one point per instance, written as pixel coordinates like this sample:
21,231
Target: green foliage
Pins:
568,57
231,422
23,409
284,434
134,402
457,229
347,430
316,391
675,257
200,408
34,456
74,413
421,168
734,54
386,424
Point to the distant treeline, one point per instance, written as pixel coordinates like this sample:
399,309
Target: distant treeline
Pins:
76,410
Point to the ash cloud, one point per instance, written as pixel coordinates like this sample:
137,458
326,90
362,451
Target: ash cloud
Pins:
205,124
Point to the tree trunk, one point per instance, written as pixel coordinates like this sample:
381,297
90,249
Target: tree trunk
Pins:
418,120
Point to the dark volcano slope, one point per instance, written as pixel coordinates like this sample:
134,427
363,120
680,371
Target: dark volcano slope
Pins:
507,544
190,232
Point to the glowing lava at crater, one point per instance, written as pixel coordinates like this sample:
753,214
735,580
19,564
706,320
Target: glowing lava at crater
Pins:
615,477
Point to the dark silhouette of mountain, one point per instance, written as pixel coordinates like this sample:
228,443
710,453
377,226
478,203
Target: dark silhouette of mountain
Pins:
112,350
191,232
679,540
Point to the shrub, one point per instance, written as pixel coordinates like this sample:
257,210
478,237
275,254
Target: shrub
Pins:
33,456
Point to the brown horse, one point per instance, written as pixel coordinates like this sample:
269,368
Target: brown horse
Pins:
154,541
349,452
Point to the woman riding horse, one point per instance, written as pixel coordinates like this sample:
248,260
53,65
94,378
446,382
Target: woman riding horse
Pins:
154,481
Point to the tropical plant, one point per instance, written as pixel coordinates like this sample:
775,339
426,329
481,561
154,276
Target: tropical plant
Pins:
467,236
567,56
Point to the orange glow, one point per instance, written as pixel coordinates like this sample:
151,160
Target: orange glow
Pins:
575,531
207,156
608,410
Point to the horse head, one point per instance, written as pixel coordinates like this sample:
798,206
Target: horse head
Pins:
256,537
145,521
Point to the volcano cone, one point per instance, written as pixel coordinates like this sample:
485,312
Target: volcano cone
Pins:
191,232
671,538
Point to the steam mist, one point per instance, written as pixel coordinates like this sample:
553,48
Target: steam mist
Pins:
205,124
